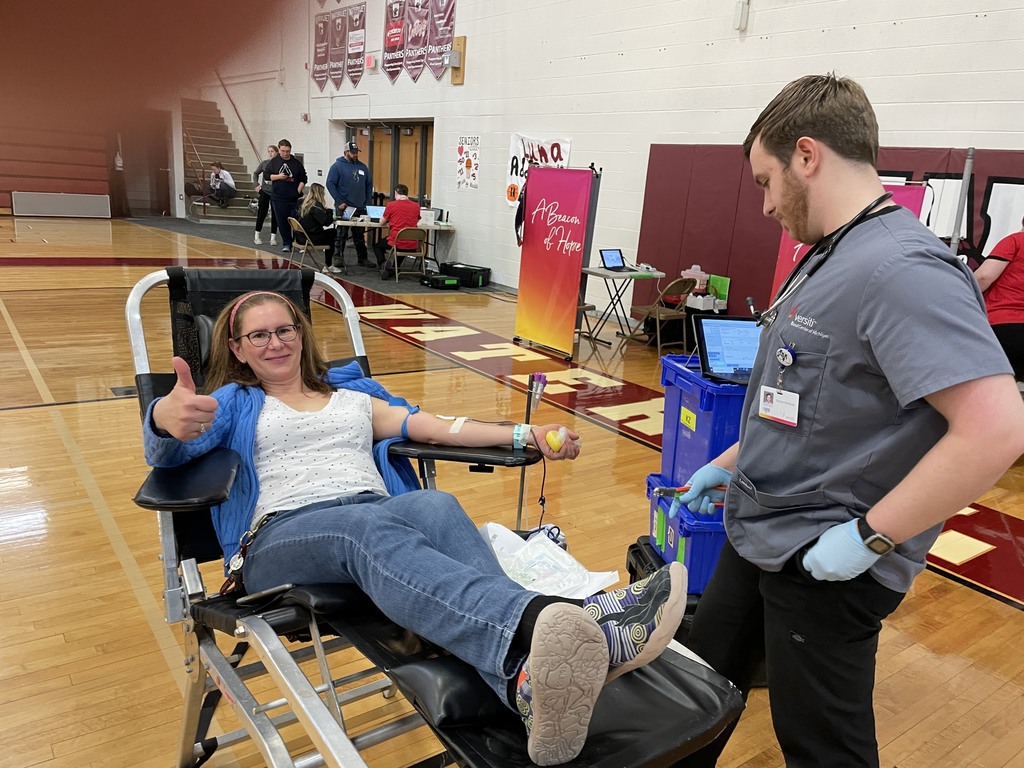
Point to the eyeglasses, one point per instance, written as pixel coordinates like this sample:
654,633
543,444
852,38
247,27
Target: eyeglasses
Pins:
262,338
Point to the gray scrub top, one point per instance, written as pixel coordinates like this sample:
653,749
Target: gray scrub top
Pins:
889,318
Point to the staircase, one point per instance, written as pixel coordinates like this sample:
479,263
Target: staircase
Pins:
205,138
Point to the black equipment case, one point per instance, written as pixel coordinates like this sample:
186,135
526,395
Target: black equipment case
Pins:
469,276
444,282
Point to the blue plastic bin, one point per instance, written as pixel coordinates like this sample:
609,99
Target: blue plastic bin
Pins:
702,418
693,540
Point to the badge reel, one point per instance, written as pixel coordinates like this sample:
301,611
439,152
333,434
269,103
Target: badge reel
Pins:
778,404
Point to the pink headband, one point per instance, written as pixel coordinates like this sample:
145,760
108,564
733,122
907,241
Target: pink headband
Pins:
234,310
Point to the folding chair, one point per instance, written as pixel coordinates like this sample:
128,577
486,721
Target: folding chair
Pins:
647,718
308,248
662,310
398,257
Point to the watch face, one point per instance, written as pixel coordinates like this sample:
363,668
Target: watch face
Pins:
879,544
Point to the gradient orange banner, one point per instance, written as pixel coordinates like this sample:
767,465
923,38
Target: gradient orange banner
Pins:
554,231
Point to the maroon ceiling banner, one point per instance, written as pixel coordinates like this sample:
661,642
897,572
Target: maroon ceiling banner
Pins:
394,39
417,21
339,42
321,33
355,62
440,34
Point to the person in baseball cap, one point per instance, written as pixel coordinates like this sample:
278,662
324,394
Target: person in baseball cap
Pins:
351,185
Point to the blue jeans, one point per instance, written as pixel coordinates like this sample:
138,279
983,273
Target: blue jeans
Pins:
417,556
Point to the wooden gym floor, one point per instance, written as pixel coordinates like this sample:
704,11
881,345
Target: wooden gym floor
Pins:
90,675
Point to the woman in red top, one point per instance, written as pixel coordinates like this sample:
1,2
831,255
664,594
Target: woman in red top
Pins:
1001,277
399,214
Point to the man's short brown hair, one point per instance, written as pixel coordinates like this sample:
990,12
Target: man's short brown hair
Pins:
832,110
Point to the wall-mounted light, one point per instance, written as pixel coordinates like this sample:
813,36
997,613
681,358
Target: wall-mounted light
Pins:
739,16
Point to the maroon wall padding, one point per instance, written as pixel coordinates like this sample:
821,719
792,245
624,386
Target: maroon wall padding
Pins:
701,206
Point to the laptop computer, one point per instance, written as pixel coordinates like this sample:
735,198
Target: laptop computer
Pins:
346,215
375,212
727,347
612,260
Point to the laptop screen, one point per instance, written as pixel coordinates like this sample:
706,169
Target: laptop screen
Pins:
375,211
346,215
727,346
612,258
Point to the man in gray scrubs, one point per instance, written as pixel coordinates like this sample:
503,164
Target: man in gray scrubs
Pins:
892,408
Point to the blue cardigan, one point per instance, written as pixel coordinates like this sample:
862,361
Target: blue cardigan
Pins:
235,427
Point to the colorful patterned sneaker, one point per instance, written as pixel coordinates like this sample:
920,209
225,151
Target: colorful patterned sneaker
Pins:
560,682
639,621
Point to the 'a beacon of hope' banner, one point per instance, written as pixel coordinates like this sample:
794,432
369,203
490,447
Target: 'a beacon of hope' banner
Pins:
554,231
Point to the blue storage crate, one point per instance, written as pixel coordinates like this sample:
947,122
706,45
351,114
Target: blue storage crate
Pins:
702,418
693,540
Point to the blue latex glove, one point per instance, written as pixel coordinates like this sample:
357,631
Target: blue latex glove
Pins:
839,554
702,494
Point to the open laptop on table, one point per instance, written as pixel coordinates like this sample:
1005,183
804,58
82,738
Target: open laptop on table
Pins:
375,212
727,347
612,260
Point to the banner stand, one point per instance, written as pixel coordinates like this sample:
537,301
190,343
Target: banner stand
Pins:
558,231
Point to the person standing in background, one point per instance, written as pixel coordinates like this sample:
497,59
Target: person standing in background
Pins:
288,176
1001,277
264,186
351,186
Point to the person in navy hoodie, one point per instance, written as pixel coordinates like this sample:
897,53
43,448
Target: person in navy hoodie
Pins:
351,185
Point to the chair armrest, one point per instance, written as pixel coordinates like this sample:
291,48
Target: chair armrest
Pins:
492,457
194,486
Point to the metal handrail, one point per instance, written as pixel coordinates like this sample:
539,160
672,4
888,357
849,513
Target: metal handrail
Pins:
199,176
241,122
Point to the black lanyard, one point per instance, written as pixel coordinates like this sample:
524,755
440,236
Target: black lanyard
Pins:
812,262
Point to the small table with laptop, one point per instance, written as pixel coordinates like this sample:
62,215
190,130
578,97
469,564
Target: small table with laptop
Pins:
372,221
616,274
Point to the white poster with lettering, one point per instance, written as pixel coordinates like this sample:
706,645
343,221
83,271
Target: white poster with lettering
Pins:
526,152
468,161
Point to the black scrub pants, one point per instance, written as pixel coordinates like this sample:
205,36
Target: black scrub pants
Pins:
818,640
1011,338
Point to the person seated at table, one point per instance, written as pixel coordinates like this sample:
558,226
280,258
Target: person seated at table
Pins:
317,500
398,214
318,222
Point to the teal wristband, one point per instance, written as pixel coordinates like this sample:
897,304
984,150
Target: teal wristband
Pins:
520,432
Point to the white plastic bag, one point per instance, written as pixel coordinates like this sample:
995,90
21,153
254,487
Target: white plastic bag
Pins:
542,566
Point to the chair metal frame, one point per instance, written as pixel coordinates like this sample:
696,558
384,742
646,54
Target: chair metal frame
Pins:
680,704
309,247
420,254
660,312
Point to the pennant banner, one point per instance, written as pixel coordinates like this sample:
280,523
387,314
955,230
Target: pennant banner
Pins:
440,34
355,62
339,41
417,22
321,45
394,39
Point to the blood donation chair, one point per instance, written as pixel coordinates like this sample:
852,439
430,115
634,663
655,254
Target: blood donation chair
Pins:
277,643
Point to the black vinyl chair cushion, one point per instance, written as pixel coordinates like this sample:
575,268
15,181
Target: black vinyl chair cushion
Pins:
496,457
194,486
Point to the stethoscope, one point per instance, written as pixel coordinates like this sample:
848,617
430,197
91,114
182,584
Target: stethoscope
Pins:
806,268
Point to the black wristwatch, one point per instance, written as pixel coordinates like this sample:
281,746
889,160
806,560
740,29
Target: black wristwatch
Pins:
877,542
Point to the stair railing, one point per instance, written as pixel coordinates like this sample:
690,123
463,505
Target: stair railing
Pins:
197,171
241,122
